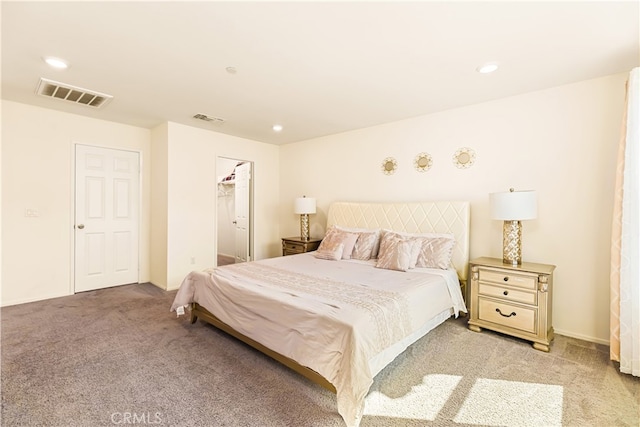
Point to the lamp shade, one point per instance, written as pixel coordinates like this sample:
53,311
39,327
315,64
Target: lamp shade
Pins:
513,205
305,205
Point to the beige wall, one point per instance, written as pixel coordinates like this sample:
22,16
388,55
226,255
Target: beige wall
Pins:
37,174
159,204
561,142
178,186
192,197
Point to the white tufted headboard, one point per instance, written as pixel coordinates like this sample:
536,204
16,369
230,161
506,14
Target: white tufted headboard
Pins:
413,217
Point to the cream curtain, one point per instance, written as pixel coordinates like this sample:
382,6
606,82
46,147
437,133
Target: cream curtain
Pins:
625,242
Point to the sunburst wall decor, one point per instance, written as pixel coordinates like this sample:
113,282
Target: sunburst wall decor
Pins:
389,166
423,162
464,158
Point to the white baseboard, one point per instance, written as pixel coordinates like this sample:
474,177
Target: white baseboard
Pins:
581,337
32,299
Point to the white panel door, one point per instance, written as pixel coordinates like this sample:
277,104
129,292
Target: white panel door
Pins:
107,191
243,211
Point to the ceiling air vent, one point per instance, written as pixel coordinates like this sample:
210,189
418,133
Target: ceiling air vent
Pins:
74,94
214,120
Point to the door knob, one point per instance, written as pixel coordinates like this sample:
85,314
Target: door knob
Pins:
235,222
80,226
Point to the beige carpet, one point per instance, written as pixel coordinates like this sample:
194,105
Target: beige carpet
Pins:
118,357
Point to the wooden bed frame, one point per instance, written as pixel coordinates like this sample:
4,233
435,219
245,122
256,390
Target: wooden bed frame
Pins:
417,217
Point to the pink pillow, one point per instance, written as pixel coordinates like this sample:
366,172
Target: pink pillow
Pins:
435,252
436,248
330,252
398,253
335,235
367,244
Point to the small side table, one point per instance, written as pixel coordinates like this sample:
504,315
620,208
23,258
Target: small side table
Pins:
513,300
297,245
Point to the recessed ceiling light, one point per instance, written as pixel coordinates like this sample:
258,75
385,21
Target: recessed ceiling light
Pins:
277,128
487,68
56,62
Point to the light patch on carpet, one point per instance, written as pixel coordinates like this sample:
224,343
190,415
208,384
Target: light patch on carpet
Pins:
512,403
423,402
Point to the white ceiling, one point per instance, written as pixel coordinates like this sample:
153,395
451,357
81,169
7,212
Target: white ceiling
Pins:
317,68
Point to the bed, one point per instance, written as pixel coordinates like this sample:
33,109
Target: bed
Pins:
340,321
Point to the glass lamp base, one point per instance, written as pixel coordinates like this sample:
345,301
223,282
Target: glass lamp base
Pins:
304,226
512,242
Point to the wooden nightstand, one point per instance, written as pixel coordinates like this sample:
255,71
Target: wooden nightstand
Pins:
297,245
513,300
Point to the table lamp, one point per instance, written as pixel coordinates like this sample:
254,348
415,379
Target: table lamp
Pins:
304,206
513,207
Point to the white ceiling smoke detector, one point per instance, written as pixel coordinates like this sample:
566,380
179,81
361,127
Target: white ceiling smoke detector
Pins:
70,93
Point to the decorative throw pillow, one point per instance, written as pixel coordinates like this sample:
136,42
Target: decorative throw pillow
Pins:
385,240
435,252
349,240
367,244
335,236
388,236
331,252
397,253
415,251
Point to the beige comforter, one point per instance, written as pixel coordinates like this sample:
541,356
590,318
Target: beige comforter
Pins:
331,316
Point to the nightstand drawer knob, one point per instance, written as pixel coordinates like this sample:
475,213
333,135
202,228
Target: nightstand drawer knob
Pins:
505,293
506,278
513,313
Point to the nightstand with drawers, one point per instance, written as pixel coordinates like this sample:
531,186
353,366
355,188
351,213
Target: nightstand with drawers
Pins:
298,245
512,299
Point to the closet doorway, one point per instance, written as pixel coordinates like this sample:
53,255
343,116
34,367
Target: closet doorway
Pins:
235,210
